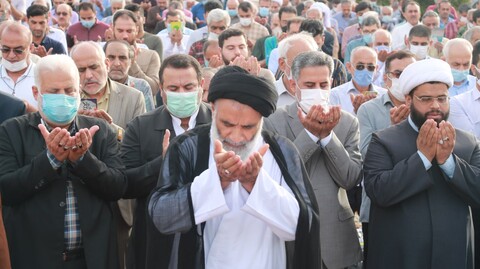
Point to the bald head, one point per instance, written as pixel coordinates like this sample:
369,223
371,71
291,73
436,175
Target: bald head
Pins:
363,52
381,37
19,30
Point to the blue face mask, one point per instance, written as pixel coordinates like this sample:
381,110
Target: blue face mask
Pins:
363,77
205,62
87,24
387,19
367,38
459,75
385,48
263,11
60,108
232,12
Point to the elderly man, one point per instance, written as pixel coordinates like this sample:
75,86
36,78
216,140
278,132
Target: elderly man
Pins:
422,177
327,139
411,12
63,13
59,172
382,44
117,104
146,63
473,34
181,84
203,32
458,54
217,21
432,21
252,29
89,28
288,49
360,89
17,70
378,114
115,5
37,18
368,27
120,55
233,44
243,178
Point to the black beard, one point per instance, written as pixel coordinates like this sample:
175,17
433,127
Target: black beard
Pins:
420,119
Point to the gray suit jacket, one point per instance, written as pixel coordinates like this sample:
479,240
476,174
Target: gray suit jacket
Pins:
147,66
332,170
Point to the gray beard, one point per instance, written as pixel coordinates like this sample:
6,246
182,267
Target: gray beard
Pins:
243,149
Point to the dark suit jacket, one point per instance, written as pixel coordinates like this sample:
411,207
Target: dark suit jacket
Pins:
10,107
419,218
34,195
141,153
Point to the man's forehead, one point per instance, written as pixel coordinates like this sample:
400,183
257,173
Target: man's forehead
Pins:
235,40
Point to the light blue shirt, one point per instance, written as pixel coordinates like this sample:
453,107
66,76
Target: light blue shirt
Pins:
466,86
465,111
340,95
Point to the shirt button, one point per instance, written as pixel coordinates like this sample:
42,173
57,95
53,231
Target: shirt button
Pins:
62,204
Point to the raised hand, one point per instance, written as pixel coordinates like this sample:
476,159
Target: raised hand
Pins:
228,164
165,142
319,121
428,139
56,141
251,167
398,114
81,142
446,142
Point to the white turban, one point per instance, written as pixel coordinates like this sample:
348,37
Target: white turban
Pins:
280,2
321,7
428,70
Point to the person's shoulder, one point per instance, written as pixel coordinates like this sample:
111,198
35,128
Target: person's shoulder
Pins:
127,90
139,82
75,27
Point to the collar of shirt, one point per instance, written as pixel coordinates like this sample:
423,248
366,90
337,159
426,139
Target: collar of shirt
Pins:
281,89
72,129
386,101
351,88
475,94
176,122
410,121
25,74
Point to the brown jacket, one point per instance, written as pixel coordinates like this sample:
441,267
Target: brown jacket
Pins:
4,255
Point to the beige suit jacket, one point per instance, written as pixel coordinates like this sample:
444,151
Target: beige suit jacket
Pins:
146,66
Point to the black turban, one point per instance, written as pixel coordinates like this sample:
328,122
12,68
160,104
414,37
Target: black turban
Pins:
233,82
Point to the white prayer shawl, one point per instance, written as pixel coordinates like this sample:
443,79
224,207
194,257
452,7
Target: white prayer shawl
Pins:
245,230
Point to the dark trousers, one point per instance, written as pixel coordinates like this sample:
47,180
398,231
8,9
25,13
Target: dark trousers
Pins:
365,243
75,264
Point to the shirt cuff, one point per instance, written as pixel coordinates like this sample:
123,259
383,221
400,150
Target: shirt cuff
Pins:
425,161
449,166
53,161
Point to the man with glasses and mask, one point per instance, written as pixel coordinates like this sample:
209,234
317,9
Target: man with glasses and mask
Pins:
378,114
351,95
16,69
422,178
327,139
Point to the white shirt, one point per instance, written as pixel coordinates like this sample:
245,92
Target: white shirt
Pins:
273,61
197,35
171,49
58,35
284,96
245,230
22,88
465,111
176,122
340,95
398,35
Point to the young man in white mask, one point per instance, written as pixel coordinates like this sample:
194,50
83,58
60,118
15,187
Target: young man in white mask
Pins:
419,40
327,139
378,114
17,70
252,29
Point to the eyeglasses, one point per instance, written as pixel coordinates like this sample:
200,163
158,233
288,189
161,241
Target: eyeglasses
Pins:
17,51
395,74
370,67
62,14
427,100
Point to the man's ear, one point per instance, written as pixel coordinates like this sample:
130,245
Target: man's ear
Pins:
35,92
281,64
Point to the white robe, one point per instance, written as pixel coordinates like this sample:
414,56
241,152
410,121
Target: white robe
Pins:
245,230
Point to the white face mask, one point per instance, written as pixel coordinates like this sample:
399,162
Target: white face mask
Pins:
245,21
212,36
396,91
310,97
419,51
16,66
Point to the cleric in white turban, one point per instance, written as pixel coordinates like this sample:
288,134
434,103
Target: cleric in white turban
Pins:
422,178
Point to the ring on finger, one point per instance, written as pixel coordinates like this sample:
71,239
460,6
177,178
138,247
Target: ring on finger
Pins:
226,172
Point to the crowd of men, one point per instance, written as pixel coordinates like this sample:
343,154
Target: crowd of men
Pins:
239,134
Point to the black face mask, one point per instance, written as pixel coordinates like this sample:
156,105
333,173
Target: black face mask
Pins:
284,29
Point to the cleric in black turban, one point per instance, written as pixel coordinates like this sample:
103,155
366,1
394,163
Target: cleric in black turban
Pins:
233,82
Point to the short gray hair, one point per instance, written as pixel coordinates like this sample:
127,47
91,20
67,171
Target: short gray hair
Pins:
290,41
379,31
469,33
371,20
217,15
311,59
430,13
452,43
53,63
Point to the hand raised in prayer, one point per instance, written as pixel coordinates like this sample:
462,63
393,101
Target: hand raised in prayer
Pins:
108,34
251,167
215,61
359,99
399,113
56,141
428,139
41,51
320,121
81,142
97,113
165,142
228,164
176,37
446,133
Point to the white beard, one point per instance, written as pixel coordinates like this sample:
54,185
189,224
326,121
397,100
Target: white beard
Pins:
243,149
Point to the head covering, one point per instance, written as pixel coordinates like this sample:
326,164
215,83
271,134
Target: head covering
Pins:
420,72
233,82
280,2
321,7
